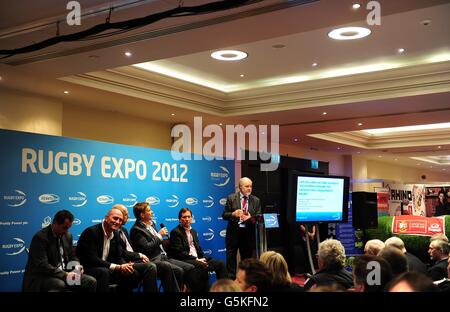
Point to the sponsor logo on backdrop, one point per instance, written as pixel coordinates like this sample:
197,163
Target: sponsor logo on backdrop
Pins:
153,200
15,248
220,218
191,201
222,250
105,199
76,221
223,201
271,221
80,200
49,199
130,201
16,200
221,178
207,219
207,252
208,202
209,235
173,202
13,223
171,220
223,233
46,222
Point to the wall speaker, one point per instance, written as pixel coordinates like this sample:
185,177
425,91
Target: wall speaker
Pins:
364,210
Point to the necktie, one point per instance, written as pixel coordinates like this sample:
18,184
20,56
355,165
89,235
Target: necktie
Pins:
244,204
61,252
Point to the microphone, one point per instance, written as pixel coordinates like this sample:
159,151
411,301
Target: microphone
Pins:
163,226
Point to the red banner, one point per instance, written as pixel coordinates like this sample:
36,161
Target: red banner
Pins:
417,225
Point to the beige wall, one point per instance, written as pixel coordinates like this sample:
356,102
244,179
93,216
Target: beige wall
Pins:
30,113
80,122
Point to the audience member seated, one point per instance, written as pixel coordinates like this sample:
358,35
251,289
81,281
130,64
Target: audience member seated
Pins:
438,251
443,206
253,276
331,260
412,282
51,262
329,288
396,258
225,285
281,281
147,240
414,263
364,278
185,246
373,247
101,254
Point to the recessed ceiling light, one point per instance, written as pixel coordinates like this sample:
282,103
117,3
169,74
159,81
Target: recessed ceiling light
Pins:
431,167
379,156
444,125
220,124
418,164
349,33
314,64
295,140
358,152
229,55
444,169
356,6
263,133
439,146
278,46
401,50
324,113
66,92
241,75
128,54
425,22
338,148
396,159
360,123
173,114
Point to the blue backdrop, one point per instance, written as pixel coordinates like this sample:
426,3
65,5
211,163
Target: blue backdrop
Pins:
43,174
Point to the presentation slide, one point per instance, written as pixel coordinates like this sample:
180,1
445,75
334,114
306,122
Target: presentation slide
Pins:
319,199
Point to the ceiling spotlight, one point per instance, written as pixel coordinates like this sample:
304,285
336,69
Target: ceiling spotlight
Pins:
296,140
66,92
338,148
444,169
349,33
360,124
173,114
278,46
314,64
220,124
324,113
356,6
396,159
242,75
229,55
439,146
358,152
379,156
128,54
401,50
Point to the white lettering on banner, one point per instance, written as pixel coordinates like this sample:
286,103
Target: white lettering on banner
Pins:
73,165
130,166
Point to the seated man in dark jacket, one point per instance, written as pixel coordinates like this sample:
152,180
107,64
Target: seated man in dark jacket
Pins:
184,246
331,259
51,260
438,251
147,240
102,256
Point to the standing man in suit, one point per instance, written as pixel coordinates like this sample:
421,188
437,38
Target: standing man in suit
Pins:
185,246
101,254
147,240
51,259
239,210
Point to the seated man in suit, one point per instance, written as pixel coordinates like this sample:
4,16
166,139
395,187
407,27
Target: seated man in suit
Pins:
147,240
51,258
438,251
101,254
414,263
184,246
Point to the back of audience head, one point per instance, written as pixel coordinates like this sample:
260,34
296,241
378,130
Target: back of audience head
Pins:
253,276
412,282
328,288
364,276
396,242
331,255
396,258
225,285
373,247
277,265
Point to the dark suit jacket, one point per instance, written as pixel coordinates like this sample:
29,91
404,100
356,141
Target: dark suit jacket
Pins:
128,255
414,263
179,244
442,209
439,270
145,242
90,248
234,203
44,258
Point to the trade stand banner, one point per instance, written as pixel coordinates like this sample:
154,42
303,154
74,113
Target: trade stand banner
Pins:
43,174
417,225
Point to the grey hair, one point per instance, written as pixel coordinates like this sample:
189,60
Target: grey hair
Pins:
332,253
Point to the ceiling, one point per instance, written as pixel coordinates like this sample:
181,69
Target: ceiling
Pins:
355,81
